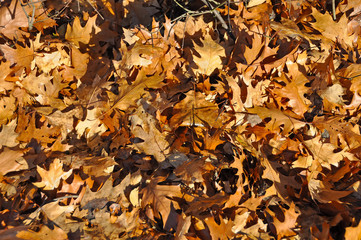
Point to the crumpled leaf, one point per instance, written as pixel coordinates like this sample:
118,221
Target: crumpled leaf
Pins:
150,140
130,93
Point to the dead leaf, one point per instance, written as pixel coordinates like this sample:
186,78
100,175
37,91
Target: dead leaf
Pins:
79,35
210,55
44,234
11,160
51,178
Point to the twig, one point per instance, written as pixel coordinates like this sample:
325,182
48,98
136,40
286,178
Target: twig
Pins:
350,78
216,14
96,10
30,21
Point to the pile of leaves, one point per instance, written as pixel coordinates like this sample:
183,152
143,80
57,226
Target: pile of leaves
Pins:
180,119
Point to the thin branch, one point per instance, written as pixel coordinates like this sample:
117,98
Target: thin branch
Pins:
216,14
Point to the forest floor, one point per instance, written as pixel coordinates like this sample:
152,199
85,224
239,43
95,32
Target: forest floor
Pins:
206,119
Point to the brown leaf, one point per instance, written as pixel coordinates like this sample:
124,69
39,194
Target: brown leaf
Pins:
322,192
144,126
353,232
12,19
11,160
284,226
28,128
130,93
192,171
7,108
219,230
21,56
158,197
278,119
8,135
293,92
195,110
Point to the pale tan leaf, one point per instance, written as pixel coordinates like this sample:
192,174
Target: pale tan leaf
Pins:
211,53
51,178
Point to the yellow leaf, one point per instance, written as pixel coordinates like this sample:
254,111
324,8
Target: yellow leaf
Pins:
81,35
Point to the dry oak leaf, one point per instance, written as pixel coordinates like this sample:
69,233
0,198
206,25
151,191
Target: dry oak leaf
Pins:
93,165
192,171
221,230
195,110
280,181
52,211
138,55
7,108
322,192
8,135
244,223
12,18
11,160
353,232
326,153
210,54
251,54
21,56
338,129
293,91
336,31
144,126
278,119
353,72
5,71
51,178
158,197
44,88
92,125
28,129
48,61
82,35
45,233
79,63
284,228
129,94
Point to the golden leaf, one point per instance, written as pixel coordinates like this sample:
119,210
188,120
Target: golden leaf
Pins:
210,53
51,178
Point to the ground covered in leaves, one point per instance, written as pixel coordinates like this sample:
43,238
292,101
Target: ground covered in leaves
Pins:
180,119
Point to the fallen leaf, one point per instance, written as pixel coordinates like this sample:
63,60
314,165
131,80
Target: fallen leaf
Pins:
51,178
211,53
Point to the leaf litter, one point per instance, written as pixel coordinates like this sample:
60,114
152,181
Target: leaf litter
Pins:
181,120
